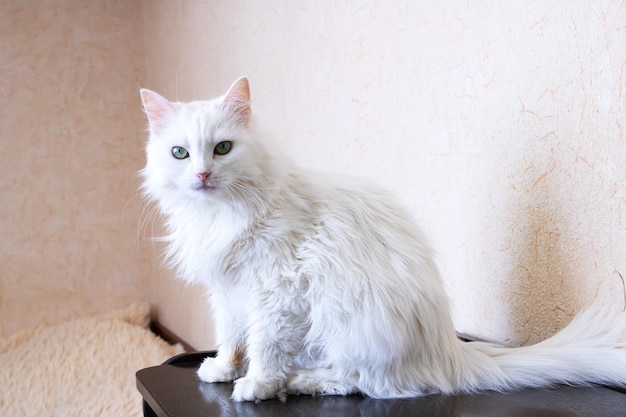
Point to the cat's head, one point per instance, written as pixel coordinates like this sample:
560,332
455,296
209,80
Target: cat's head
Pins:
201,151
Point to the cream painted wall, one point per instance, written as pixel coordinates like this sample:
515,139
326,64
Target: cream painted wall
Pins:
69,128
501,125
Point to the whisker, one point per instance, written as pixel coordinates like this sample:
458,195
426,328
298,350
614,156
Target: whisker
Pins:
148,216
130,200
250,193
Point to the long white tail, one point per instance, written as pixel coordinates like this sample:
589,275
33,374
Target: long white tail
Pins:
590,350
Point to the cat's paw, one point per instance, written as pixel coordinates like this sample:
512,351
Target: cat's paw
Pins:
320,381
214,370
253,389
301,382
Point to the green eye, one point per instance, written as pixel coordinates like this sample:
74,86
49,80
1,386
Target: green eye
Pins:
180,152
222,148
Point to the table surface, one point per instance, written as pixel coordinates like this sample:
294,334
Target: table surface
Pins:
173,389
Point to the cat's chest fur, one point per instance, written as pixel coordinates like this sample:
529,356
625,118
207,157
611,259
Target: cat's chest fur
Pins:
199,239
211,244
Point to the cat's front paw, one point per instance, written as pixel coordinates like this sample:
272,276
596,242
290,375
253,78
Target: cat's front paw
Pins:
214,370
252,389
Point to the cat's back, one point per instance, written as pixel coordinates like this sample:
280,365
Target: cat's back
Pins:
361,220
353,201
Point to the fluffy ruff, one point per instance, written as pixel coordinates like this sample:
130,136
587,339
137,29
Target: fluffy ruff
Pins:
83,367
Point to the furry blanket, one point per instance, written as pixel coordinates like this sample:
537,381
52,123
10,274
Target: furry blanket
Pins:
83,367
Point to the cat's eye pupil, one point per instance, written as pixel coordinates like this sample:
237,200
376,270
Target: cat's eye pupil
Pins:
179,152
223,148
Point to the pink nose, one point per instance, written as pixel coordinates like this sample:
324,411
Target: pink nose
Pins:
203,176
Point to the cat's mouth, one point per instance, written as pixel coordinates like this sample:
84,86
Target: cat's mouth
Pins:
204,187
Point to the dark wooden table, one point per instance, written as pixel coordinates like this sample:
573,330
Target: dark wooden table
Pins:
173,390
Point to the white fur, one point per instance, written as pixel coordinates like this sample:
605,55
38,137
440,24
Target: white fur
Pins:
324,283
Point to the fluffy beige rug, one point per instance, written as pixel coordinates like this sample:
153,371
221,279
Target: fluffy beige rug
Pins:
83,367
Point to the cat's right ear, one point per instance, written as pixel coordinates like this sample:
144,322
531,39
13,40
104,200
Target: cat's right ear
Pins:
158,109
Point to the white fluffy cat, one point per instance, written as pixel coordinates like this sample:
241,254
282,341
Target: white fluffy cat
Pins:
322,284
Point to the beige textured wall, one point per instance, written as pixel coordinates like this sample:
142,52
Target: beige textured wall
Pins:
500,125
69,129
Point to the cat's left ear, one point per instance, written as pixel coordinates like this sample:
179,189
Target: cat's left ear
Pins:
158,109
237,101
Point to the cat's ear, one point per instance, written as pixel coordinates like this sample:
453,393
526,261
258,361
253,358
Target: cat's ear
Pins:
237,101
158,109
